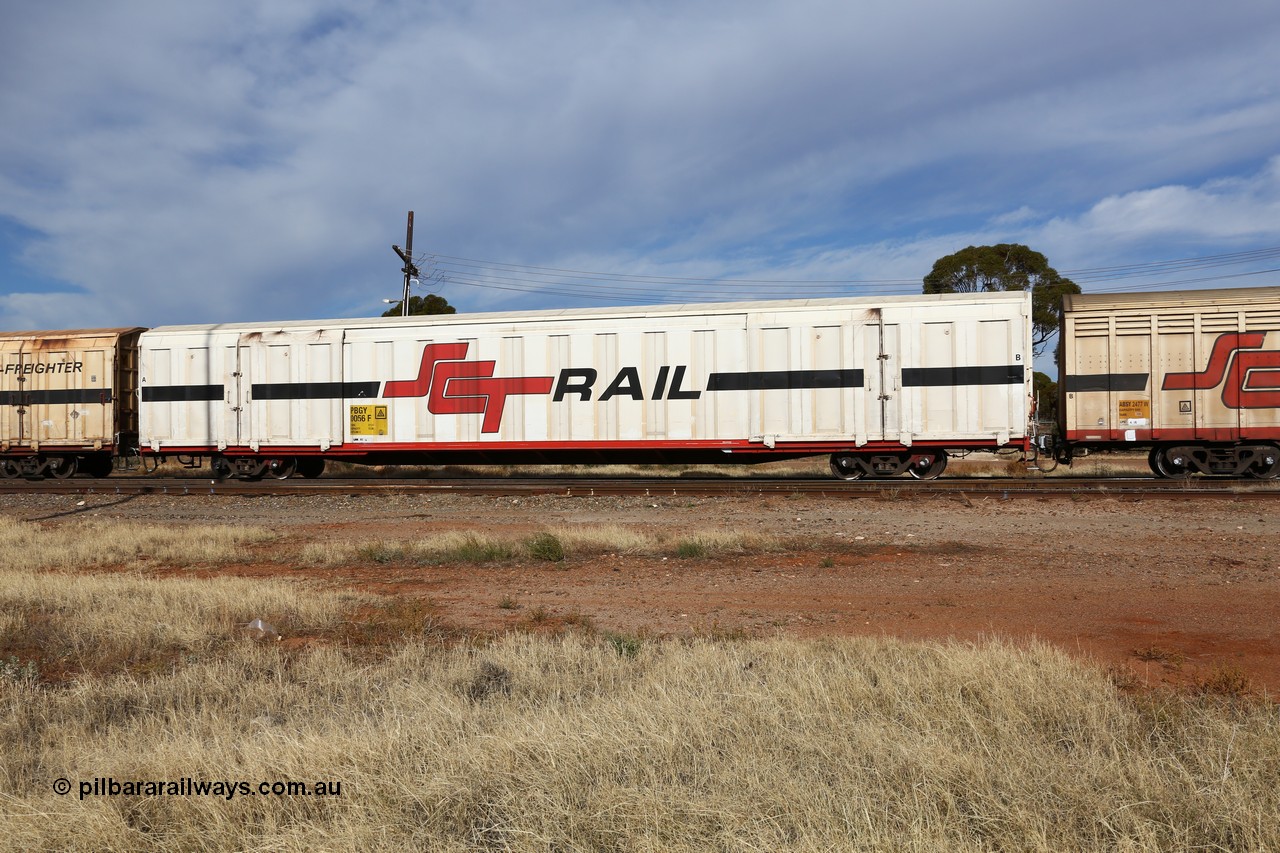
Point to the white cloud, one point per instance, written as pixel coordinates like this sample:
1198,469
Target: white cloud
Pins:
1229,214
251,160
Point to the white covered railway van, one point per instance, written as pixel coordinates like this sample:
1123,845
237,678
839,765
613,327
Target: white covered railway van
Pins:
1193,377
68,401
885,385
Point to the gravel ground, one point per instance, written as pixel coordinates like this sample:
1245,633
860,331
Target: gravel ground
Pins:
1163,591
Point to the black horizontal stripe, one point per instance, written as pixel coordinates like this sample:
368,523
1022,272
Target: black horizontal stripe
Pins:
181,393
772,380
56,397
315,390
1002,374
1106,381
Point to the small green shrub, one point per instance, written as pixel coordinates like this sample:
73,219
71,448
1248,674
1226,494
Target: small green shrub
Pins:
546,546
626,645
692,549
475,549
21,672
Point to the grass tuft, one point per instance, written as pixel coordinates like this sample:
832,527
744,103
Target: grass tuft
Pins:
692,549
626,645
547,547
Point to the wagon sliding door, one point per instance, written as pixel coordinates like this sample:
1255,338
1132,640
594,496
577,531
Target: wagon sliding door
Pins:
882,359
15,401
803,382
292,388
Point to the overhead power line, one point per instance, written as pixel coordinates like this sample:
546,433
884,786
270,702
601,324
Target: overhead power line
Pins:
639,288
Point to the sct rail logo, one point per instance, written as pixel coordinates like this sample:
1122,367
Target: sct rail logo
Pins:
456,387
1251,374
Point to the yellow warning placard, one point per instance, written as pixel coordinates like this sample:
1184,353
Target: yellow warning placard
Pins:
1134,410
368,419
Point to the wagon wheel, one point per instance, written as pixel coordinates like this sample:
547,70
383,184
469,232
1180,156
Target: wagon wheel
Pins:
928,466
62,467
97,465
1172,464
9,469
220,467
310,467
1268,465
281,469
847,467
1153,460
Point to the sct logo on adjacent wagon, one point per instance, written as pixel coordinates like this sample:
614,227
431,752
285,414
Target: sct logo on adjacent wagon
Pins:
1251,374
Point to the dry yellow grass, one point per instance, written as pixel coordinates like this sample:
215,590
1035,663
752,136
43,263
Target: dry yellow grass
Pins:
578,540
29,545
583,743
93,623
535,744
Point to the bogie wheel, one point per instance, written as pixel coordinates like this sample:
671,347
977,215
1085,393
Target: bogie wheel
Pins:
846,466
220,467
62,467
928,466
1268,465
1172,463
98,465
9,469
310,467
1153,461
281,469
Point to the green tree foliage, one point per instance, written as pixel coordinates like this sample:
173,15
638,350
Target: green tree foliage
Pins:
1007,266
429,304
1046,391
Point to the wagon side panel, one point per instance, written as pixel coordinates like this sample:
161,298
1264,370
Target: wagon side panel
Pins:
189,391
60,391
1190,366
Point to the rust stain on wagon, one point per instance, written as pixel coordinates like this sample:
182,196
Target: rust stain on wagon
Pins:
65,338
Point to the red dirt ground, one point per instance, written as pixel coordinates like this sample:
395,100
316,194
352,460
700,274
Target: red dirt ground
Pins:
1164,592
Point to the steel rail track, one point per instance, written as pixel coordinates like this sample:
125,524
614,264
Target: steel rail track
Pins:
1003,488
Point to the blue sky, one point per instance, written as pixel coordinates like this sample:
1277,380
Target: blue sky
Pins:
174,163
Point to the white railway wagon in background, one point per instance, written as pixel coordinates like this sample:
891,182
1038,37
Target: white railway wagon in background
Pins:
1192,375
884,385
68,401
